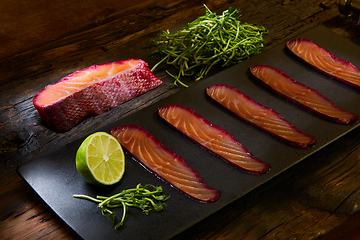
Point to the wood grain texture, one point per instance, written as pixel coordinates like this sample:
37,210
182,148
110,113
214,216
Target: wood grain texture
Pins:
29,24
309,201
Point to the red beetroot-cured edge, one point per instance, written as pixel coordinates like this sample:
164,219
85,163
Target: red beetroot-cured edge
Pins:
221,132
342,70
116,131
309,143
94,99
352,117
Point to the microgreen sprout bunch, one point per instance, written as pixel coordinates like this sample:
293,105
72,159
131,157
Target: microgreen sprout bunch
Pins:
209,40
146,198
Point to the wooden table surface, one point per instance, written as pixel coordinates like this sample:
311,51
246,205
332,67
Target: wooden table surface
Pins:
317,199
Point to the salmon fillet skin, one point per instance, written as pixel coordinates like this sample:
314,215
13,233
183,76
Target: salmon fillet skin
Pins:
163,162
259,115
93,90
324,61
301,94
211,137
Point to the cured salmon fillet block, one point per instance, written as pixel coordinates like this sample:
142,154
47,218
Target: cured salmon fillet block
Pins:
162,161
259,115
325,61
301,94
93,90
211,137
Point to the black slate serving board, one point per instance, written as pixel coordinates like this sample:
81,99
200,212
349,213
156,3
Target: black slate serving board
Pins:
55,179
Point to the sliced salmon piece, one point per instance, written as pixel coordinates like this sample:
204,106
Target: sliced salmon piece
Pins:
162,161
259,115
211,137
93,90
325,61
301,94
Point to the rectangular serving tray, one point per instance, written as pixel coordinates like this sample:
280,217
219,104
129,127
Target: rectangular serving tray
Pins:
55,179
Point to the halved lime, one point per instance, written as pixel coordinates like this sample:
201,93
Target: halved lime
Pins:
100,159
